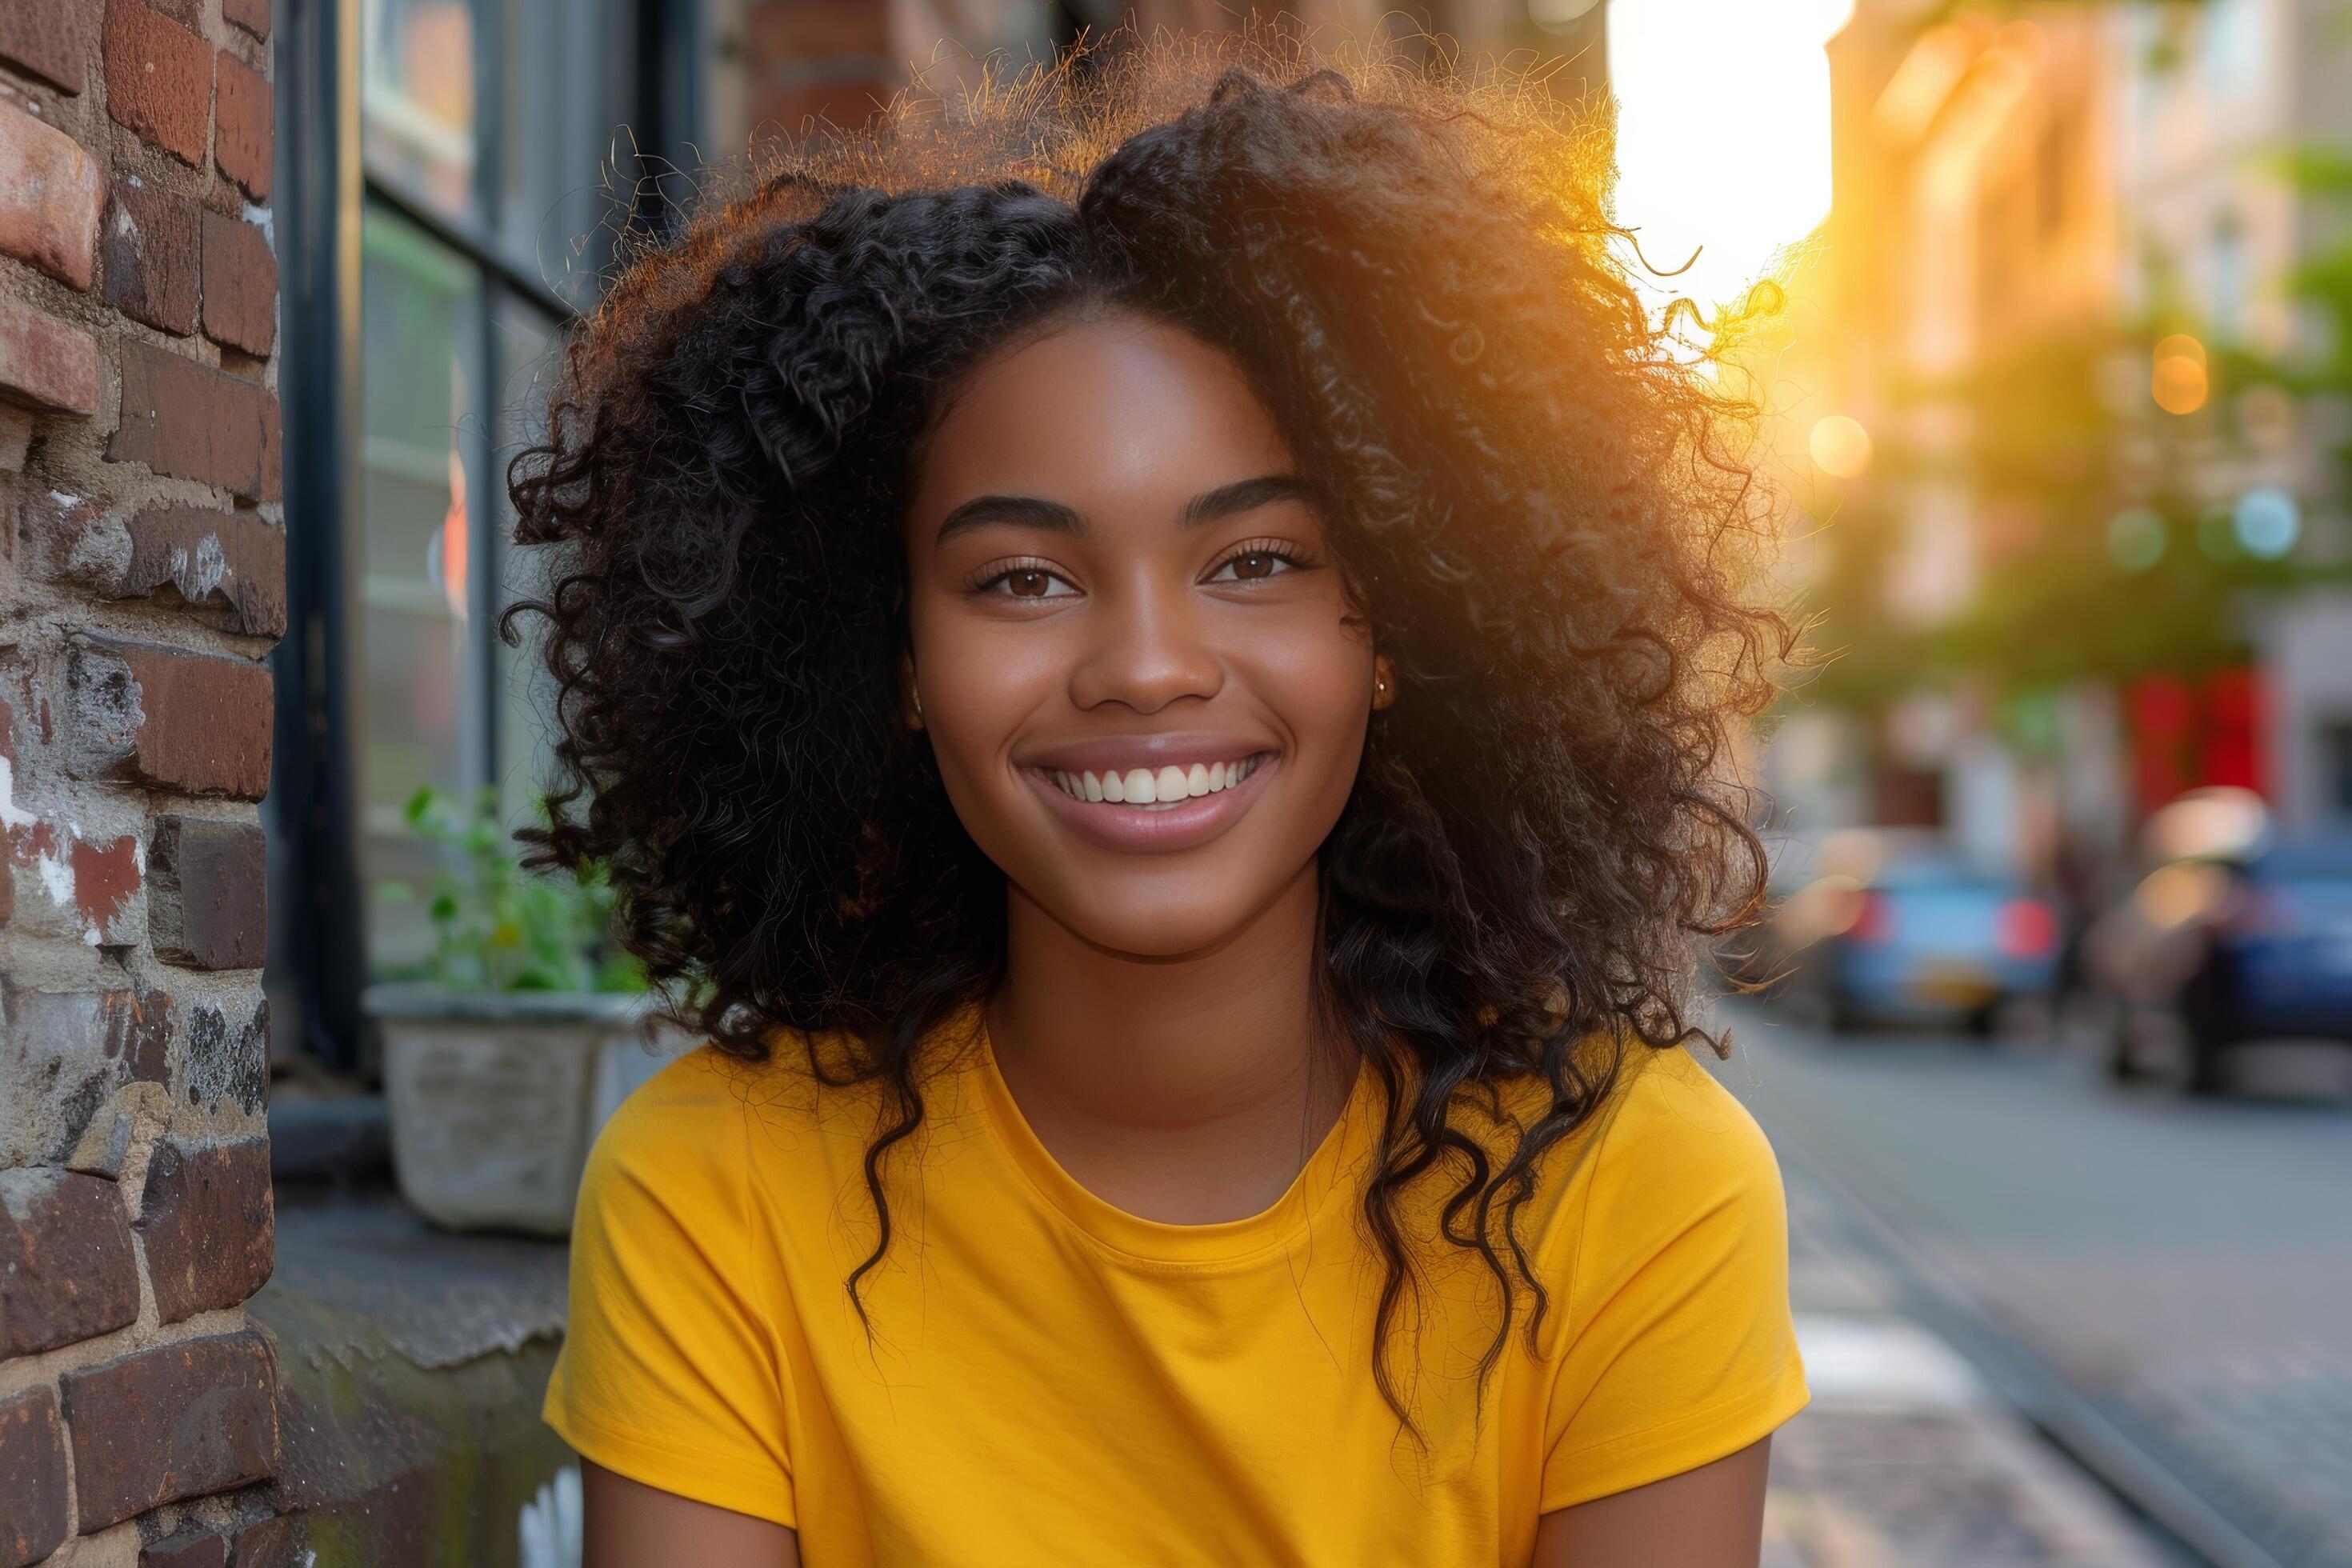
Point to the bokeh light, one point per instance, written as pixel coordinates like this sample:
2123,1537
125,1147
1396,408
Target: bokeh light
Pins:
2176,894
2135,539
2181,383
1840,447
2267,521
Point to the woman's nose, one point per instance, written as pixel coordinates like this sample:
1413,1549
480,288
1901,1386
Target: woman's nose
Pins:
1147,647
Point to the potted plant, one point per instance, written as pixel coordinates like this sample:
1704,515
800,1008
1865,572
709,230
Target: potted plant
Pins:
507,1048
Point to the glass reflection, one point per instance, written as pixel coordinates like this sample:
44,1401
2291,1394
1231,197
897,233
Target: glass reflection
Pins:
417,96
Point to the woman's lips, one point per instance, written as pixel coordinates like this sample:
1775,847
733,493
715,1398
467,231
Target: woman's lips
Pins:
1225,792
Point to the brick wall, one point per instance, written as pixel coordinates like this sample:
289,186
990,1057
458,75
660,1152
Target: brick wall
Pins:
141,584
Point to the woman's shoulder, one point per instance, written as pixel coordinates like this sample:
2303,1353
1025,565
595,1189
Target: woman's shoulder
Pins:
1668,1147
1677,1166
1661,1110
1668,1114
712,1116
693,1122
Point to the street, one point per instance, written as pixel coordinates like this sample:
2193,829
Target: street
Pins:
2162,1282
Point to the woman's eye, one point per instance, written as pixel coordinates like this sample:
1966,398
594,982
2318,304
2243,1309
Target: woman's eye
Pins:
1028,583
1252,566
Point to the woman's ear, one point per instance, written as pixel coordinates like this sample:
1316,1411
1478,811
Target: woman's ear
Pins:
910,701
1384,686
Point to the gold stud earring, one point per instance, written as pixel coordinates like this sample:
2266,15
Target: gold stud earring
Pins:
1383,683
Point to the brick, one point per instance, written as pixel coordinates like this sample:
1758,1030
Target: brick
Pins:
100,702
84,886
33,1504
232,559
45,363
50,193
240,284
242,144
187,1549
208,1226
226,1063
253,15
273,1543
63,1053
192,723
152,247
192,422
49,38
211,893
66,1271
110,894
159,78
178,1421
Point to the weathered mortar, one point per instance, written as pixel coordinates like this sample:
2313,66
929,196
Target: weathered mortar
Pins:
142,566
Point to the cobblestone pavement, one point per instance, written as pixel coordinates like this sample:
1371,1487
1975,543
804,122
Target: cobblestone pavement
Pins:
1905,1459
2182,1268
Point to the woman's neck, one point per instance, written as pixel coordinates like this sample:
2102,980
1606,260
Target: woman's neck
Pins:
1188,1089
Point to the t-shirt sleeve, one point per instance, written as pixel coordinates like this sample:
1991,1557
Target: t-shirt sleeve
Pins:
1679,1347
670,1371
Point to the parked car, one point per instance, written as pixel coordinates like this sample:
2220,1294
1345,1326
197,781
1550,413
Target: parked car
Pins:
1896,927
2214,951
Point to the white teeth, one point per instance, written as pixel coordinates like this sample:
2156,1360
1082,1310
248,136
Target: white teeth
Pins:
1144,787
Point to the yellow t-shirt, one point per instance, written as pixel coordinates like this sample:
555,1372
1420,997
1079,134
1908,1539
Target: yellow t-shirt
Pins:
1051,1379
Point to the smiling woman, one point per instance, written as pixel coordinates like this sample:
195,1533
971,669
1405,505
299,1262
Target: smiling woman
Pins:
1151,664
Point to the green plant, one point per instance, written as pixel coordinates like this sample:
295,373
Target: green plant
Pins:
497,927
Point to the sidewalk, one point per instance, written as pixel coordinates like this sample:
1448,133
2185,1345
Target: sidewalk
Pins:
1905,1459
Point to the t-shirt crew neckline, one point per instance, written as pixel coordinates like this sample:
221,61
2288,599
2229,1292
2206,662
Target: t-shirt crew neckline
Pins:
1229,1241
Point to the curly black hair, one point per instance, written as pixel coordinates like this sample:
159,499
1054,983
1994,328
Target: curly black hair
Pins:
1540,499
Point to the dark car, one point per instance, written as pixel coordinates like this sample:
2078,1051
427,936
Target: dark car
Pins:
2216,953
1898,928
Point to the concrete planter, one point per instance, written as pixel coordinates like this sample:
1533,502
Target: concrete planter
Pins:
494,1098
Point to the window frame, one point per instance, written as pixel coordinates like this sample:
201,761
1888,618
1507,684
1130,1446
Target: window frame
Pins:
655,58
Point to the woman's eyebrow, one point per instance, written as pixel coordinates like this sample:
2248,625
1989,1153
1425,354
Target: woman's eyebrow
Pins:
1036,512
1025,511
1246,495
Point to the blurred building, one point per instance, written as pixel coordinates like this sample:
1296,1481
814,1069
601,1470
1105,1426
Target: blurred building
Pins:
2082,570
2218,103
1975,223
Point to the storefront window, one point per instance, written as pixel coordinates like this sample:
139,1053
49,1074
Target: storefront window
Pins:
492,198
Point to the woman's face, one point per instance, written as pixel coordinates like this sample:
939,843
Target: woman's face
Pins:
1132,647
